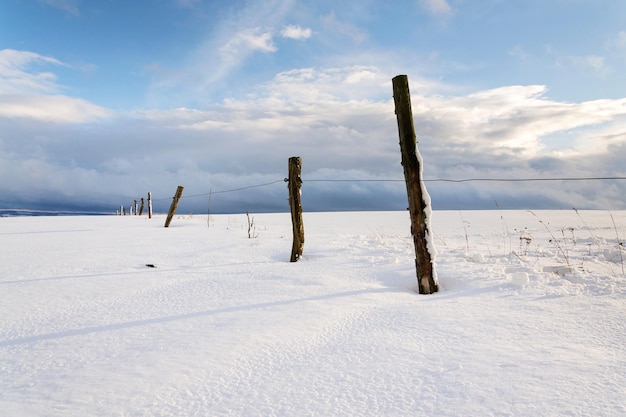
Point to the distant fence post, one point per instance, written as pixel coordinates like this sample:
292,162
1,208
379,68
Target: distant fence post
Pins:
136,211
141,207
170,214
295,169
418,206
149,205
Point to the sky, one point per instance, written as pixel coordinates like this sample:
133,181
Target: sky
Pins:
103,101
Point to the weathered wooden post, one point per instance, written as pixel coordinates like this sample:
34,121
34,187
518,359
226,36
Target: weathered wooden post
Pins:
419,200
149,205
174,205
141,207
294,180
208,213
135,206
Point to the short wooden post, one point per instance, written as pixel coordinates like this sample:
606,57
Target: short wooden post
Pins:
141,207
174,205
295,182
135,205
149,205
419,201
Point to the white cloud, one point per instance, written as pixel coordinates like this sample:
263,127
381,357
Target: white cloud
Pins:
333,107
248,40
208,66
238,36
36,95
514,120
313,85
295,32
15,77
437,7
50,108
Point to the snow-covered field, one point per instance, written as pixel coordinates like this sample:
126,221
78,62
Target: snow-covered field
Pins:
530,319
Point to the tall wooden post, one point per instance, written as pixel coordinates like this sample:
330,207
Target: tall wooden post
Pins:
174,205
141,207
295,168
149,205
419,201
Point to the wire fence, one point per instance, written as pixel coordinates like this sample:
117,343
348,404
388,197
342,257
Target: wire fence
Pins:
432,180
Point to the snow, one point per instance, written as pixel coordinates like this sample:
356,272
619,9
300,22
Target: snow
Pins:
529,319
431,247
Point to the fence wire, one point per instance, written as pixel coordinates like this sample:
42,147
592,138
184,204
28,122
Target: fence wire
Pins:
448,180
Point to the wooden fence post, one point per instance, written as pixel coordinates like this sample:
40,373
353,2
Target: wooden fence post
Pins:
170,214
295,168
419,201
141,207
149,205
208,213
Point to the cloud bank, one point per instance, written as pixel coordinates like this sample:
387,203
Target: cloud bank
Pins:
60,150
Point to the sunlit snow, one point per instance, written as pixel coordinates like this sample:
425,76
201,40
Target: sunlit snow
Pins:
119,316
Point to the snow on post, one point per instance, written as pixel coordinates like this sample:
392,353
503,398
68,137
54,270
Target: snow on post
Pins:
419,200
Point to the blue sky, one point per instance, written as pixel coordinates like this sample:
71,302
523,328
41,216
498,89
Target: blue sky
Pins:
102,101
